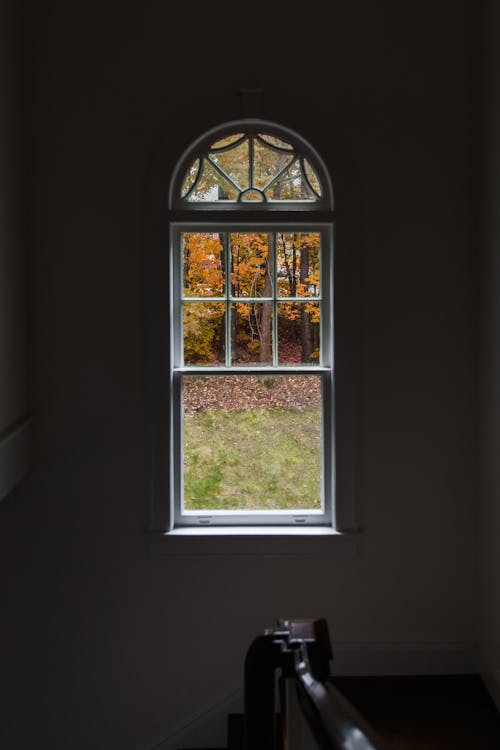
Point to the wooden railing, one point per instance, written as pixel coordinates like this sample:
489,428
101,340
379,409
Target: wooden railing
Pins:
296,656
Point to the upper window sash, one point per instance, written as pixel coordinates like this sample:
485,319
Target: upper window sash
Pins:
324,299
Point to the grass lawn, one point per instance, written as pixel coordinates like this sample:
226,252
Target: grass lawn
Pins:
259,459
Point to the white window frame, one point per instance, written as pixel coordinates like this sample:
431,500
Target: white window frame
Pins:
325,370
159,364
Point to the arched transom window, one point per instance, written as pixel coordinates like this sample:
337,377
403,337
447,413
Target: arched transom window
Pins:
251,163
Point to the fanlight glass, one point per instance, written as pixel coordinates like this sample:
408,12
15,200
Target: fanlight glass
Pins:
251,167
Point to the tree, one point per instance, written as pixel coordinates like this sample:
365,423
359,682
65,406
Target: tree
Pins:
250,277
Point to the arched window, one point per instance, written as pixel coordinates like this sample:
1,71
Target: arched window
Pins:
251,248
244,164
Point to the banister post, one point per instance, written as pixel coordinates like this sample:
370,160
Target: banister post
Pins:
261,661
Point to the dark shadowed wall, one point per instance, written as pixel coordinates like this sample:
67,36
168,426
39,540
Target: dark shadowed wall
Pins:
489,548
108,647
13,217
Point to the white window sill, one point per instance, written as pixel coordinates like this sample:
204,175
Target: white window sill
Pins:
252,540
276,531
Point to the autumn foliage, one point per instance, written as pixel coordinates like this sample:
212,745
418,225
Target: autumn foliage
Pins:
271,282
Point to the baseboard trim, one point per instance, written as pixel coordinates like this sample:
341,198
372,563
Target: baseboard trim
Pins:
207,727
14,455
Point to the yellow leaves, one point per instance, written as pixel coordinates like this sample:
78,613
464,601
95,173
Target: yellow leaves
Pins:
289,310
203,256
247,262
250,272
202,329
312,309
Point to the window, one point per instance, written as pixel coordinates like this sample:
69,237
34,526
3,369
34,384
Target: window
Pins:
251,356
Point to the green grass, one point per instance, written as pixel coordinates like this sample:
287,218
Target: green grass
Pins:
254,459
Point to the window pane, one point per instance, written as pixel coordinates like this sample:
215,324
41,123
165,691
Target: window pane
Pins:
227,140
203,264
204,333
252,333
312,177
252,195
298,333
274,141
190,177
252,442
212,186
291,186
235,163
251,273
267,164
298,268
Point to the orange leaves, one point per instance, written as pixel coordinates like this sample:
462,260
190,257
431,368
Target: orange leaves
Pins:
245,266
312,309
203,272
289,310
249,264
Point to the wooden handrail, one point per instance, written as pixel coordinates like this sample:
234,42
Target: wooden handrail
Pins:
301,650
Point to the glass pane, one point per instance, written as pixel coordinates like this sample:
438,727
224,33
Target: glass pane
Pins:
252,333
274,141
312,177
235,163
298,333
298,268
212,186
227,140
190,177
203,264
267,164
291,186
204,333
252,442
251,274
252,195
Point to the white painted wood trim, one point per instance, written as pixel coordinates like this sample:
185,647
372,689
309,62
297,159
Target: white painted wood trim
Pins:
207,727
253,541
14,456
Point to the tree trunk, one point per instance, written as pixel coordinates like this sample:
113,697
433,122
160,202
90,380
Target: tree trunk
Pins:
305,323
221,353
266,321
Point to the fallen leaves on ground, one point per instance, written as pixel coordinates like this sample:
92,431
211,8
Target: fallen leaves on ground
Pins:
228,393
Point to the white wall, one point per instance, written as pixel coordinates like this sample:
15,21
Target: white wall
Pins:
108,647
489,548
